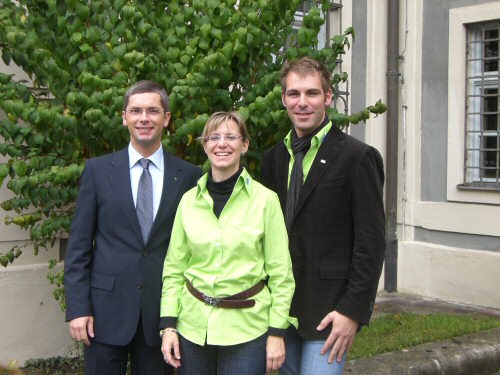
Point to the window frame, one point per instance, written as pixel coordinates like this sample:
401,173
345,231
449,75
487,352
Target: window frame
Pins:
299,17
481,86
459,19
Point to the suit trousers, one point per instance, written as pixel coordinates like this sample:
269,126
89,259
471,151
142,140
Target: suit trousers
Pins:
103,359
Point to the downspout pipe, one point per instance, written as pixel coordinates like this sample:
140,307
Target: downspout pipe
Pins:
391,189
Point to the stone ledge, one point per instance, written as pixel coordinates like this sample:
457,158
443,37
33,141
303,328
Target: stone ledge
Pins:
474,354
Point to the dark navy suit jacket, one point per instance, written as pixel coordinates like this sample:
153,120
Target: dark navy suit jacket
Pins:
109,272
337,236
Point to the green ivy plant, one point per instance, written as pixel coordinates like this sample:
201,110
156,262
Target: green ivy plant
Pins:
81,56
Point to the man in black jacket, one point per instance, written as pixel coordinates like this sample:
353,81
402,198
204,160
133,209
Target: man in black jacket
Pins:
331,190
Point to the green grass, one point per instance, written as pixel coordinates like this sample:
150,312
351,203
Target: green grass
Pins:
386,333
399,331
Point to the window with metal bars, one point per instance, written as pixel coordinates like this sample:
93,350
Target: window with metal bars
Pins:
302,10
305,5
482,130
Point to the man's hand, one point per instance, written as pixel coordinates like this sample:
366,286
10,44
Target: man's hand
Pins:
82,328
275,353
342,336
170,349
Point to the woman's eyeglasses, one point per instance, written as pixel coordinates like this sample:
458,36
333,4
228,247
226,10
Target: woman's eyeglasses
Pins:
228,138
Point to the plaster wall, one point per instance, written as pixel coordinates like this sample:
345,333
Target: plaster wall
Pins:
31,322
458,275
451,262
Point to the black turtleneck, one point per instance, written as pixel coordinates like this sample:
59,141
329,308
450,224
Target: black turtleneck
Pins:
222,190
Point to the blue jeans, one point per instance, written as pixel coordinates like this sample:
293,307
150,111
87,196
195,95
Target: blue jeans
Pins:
303,357
248,358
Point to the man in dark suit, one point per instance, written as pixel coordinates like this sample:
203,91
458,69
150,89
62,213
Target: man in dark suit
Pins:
113,268
331,190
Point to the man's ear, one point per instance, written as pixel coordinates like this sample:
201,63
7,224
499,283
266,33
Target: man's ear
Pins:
328,98
166,121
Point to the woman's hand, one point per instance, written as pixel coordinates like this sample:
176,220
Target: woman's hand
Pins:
275,353
170,348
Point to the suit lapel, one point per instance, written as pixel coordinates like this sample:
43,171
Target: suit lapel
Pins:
172,182
327,152
119,178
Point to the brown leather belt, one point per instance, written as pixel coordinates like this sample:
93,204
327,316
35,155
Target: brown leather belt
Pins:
236,301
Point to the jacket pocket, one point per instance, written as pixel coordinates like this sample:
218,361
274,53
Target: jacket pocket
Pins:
102,281
338,181
337,272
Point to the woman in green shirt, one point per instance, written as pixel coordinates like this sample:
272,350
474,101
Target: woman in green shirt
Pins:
227,277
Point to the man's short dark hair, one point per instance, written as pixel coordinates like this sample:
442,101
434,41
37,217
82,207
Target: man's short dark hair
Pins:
143,87
306,66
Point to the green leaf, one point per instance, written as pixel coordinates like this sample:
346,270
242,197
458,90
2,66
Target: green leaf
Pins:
4,170
205,30
4,78
6,56
38,139
82,11
244,112
33,180
185,60
180,69
85,47
241,34
77,37
19,167
216,33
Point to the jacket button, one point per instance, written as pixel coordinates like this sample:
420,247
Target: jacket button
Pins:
139,286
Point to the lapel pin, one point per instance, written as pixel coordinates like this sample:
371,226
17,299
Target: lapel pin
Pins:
323,161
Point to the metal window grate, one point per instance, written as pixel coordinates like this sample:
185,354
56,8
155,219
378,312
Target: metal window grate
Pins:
482,130
305,6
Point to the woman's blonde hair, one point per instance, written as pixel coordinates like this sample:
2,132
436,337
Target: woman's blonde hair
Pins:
224,117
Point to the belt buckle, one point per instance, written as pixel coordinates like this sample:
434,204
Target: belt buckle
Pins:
210,301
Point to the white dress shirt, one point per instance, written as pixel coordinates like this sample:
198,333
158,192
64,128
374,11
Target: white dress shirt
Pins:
156,169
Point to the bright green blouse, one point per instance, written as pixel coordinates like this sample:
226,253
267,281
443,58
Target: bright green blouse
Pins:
224,256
